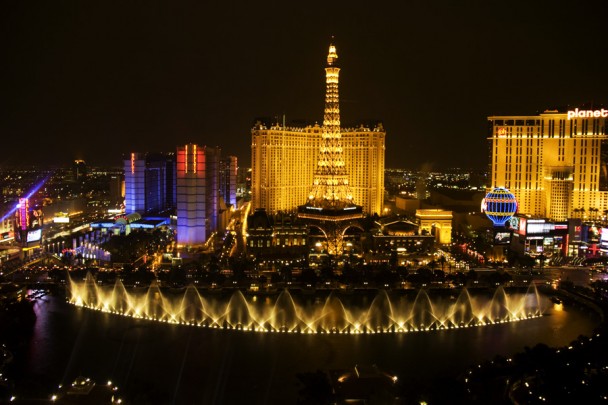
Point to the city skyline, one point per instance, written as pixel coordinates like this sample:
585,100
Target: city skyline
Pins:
92,82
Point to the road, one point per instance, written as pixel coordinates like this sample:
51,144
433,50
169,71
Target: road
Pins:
581,276
241,230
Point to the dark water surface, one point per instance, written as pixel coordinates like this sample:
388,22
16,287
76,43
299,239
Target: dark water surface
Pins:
161,363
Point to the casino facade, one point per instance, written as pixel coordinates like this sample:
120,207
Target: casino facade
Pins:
555,163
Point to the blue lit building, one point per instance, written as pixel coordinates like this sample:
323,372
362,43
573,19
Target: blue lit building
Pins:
149,182
197,193
135,194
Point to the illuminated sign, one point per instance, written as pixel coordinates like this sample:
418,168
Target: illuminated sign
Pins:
132,162
502,238
587,113
23,213
502,131
33,236
514,223
537,228
522,226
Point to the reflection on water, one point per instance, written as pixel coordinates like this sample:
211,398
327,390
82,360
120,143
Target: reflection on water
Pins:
174,362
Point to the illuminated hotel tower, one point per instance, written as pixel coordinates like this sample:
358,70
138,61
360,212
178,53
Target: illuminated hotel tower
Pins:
191,196
135,182
330,204
553,162
228,174
197,193
149,182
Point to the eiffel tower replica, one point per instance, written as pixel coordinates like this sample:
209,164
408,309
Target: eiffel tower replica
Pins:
330,206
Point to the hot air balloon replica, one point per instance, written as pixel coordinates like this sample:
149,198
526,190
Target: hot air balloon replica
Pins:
499,205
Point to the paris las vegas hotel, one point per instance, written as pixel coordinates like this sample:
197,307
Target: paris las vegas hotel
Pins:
554,163
284,159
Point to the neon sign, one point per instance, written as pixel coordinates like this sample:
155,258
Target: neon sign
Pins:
587,113
24,207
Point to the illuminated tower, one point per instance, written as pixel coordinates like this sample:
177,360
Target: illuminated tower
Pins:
191,195
135,182
197,193
228,174
149,182
330,206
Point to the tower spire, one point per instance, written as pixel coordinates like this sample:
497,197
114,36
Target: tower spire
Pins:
330,186
330,205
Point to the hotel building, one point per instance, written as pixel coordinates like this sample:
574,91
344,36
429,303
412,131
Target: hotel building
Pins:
197,193
554,163
149,182
135,183
284,160
228,178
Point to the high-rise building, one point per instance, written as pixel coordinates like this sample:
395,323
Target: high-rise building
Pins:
155,182
228,179
554,163
135,183
28,223
149,182
117,188
284,160
212,203
197,193
191,195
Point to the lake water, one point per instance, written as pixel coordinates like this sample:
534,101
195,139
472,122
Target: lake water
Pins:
164,363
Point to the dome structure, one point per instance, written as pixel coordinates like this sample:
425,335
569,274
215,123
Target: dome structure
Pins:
499,205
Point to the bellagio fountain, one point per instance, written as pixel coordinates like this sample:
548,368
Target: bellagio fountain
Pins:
287,313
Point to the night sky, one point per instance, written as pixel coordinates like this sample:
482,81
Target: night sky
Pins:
96,79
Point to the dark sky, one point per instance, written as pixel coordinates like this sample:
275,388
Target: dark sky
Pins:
95,79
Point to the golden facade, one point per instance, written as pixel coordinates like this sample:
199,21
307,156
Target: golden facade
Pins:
551,162
284,160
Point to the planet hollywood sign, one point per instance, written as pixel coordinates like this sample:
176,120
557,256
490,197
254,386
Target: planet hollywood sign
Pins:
587,113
